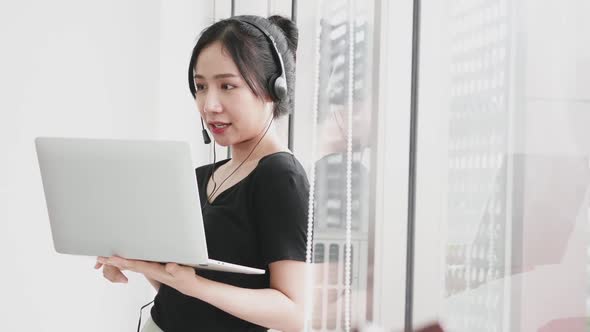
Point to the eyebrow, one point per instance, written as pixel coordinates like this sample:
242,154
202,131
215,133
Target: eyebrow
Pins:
218,76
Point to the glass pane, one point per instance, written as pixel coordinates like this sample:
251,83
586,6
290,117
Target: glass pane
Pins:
503,174
341,168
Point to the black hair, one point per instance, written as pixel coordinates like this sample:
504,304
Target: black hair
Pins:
252,53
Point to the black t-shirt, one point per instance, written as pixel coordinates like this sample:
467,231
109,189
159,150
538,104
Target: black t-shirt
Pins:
259,220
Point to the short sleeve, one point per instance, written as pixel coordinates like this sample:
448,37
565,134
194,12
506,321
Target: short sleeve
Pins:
280,201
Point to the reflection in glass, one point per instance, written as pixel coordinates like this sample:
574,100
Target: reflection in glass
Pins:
477,175
342,188
505,84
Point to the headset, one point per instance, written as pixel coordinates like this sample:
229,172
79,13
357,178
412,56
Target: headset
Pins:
277,83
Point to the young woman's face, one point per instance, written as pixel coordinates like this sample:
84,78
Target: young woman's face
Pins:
231,111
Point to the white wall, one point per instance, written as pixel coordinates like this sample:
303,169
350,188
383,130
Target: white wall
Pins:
181,22
69,68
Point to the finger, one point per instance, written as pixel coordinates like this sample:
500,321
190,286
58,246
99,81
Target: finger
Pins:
108,272
98,265
121,278
122,263
115,275
112,261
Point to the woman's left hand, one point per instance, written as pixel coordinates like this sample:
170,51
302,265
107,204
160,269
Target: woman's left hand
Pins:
180,277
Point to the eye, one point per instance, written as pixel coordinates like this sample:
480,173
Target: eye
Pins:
228,86
199,86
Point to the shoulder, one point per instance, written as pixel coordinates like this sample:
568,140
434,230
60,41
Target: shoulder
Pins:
279,163
281,180
203,169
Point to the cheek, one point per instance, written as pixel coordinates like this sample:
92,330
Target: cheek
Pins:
199,105
245,124
256,124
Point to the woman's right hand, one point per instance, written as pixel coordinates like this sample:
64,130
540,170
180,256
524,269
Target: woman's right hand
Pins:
111,273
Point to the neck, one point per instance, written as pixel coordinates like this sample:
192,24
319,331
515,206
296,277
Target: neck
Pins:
270,143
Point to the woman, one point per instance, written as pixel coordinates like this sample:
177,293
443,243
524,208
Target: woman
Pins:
254,204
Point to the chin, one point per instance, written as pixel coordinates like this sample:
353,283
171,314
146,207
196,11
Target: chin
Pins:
222,142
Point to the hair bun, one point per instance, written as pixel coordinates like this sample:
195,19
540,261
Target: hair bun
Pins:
289,30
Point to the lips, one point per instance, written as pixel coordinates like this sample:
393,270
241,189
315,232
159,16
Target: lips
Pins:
218,127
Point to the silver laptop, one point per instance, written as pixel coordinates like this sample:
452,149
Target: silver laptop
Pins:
136,199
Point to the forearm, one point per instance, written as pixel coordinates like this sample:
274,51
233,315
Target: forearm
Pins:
266,307
156,284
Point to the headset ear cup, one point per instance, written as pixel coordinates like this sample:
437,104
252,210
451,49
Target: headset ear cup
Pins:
280,88
271,87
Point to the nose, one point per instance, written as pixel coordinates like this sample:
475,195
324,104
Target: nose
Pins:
211,102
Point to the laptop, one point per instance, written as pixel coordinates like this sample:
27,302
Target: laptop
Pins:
137,199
